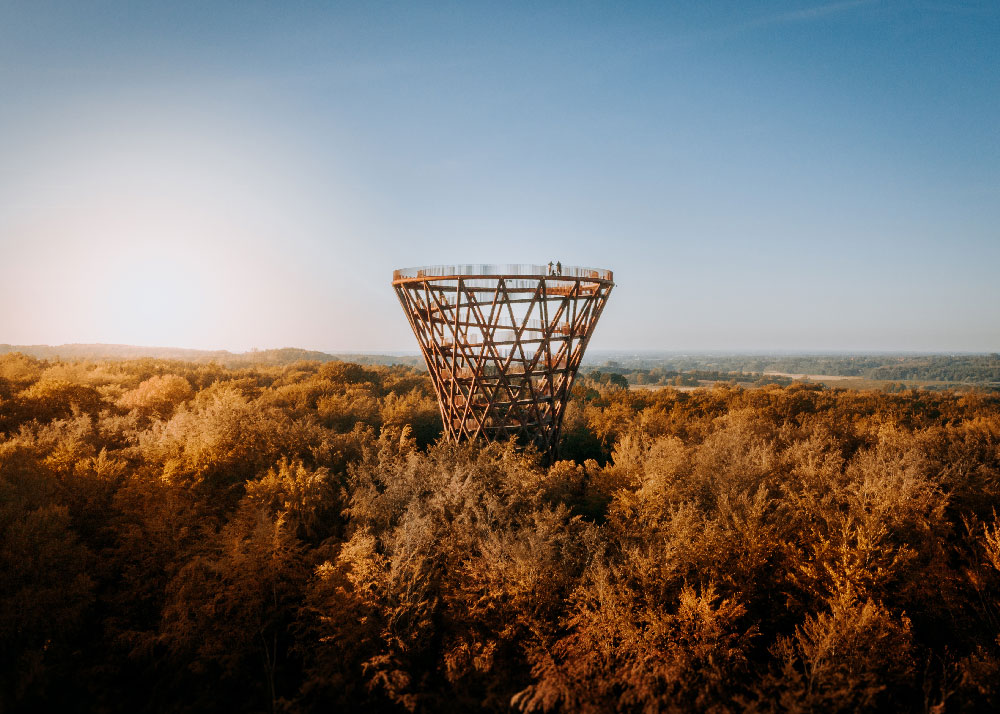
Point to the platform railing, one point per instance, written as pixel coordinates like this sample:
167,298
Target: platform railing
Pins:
479,269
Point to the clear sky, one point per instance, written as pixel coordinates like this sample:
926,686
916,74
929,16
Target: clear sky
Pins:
765,176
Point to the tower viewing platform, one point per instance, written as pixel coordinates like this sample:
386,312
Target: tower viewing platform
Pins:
503,342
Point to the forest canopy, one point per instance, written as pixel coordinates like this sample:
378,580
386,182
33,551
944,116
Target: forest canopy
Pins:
187,536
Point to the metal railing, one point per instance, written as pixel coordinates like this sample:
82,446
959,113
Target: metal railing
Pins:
458,270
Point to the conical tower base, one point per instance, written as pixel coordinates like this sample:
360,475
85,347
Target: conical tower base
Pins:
503,346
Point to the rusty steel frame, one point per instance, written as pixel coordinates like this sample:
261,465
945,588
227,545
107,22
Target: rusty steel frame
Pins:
501,372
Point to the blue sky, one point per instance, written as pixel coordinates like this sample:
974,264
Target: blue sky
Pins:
762,176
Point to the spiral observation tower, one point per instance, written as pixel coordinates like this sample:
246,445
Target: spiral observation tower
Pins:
503,343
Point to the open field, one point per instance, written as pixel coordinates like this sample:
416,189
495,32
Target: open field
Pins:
814,377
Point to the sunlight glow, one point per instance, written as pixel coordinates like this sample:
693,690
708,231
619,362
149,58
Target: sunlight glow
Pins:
172,231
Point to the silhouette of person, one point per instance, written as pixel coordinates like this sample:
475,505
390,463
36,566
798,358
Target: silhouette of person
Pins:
550,267
558,268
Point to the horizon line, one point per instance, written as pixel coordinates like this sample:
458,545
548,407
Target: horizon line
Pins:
643,351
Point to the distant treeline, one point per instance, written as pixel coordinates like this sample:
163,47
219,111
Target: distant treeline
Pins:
688,370
983,369
657,376
180,536
972,370
276,357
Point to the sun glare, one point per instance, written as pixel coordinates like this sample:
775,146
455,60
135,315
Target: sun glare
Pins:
160,234
155,298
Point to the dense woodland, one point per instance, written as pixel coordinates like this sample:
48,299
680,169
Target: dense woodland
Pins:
179,536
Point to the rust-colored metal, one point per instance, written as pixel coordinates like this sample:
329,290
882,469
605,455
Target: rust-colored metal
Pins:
503,343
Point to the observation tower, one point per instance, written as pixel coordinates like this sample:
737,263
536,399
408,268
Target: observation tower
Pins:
503,343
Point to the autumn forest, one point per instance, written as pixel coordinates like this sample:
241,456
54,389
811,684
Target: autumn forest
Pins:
188,537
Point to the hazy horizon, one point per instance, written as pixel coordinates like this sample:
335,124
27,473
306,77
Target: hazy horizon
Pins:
591,355
804,177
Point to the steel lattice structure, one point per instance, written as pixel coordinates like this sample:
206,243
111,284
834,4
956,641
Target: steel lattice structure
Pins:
503,343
